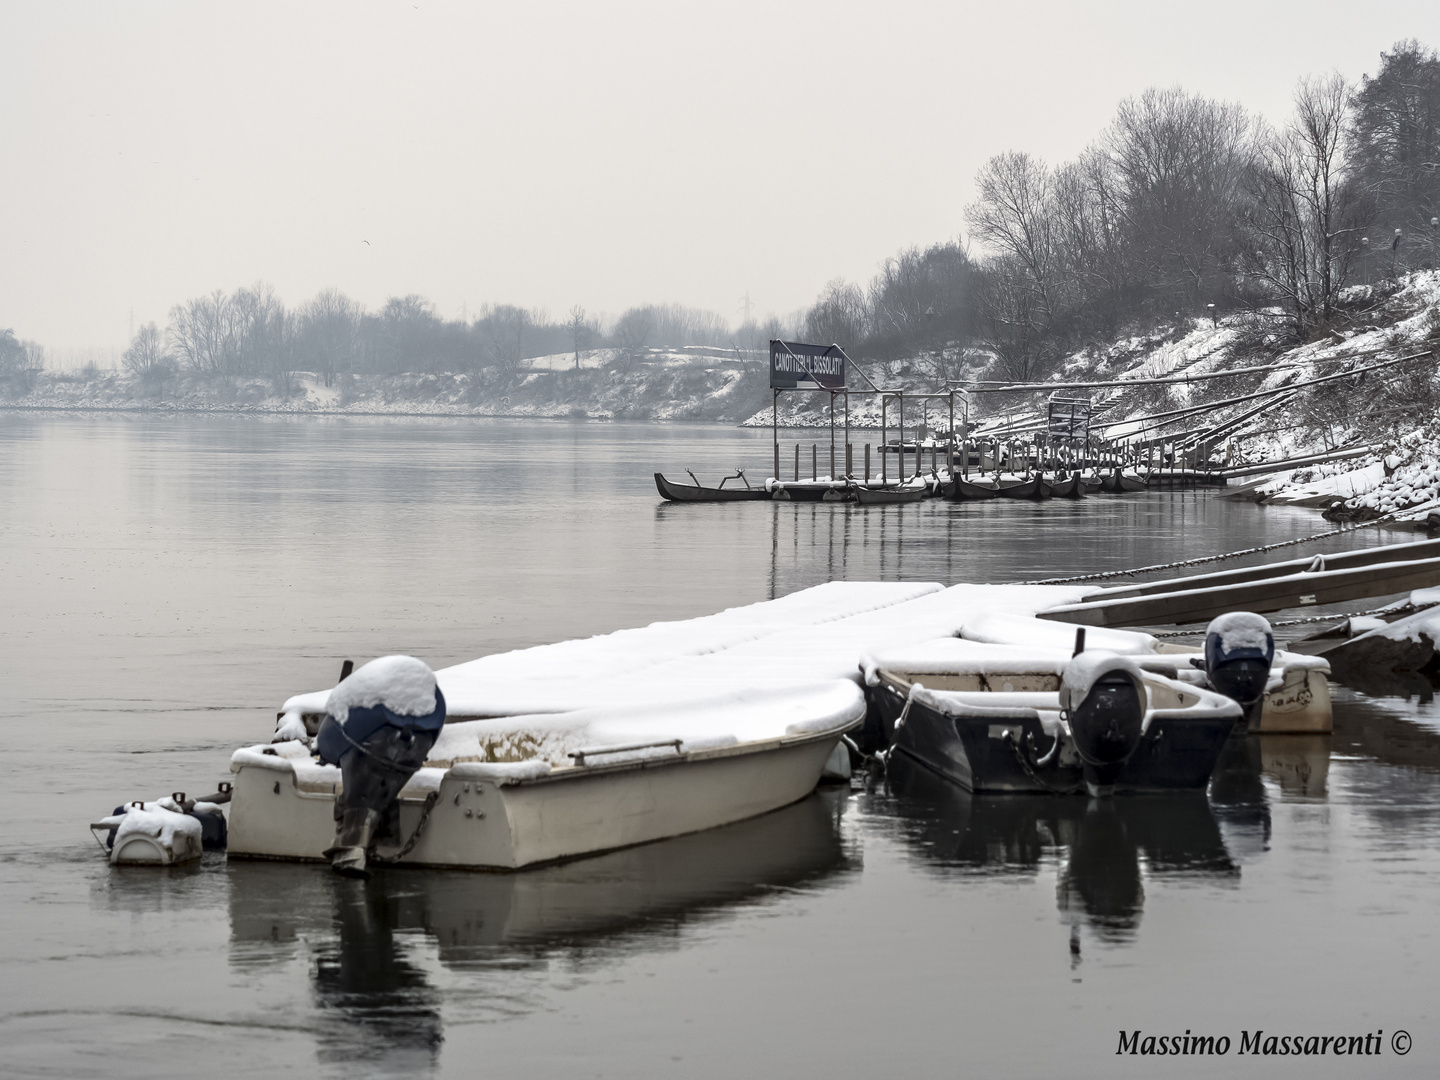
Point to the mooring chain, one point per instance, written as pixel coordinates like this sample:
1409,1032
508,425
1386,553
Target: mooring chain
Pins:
430,801
1216,558
1336,617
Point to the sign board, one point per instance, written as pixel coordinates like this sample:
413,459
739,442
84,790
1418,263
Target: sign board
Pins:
1069,418
796,366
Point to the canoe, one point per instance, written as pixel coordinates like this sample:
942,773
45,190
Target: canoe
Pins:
993,740
888,496
810,491
1092,484
488,815
695,493
962,490
1120,483
1034,488
1070,488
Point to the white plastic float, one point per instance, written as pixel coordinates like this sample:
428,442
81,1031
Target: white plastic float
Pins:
155,833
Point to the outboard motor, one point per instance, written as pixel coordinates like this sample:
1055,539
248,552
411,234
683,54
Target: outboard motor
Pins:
1103,699
1239,648
379,726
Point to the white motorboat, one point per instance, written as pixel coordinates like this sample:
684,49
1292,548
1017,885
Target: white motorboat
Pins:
631,775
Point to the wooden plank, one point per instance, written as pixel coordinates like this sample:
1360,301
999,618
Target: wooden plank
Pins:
1262,467
1420,549
1274,594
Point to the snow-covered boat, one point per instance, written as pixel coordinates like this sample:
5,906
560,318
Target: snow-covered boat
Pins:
564,785
999,718
1296,698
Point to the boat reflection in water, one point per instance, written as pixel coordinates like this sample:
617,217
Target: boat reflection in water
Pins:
1099,843
364,936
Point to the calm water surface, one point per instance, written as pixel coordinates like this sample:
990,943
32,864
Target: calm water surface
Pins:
166,582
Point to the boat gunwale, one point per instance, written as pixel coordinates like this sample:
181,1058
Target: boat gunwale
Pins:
573,772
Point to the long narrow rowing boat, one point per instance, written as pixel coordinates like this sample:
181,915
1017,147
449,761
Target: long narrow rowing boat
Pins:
867,496
1120,483
696,493
962,490
1035,488
1072,487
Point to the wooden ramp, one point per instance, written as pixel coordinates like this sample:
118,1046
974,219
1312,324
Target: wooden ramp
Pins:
1324,579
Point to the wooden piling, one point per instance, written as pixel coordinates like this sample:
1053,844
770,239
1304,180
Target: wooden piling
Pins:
797,462
814,461
867,464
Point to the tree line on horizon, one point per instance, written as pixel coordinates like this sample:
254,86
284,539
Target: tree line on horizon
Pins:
1182,206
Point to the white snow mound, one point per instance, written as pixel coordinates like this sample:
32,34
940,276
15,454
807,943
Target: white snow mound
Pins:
400,683
1083,671
1241,630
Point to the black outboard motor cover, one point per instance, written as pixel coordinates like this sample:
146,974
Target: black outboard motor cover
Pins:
379,727
1103,699
1239,649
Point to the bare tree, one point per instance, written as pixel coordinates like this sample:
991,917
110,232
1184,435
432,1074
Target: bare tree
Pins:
147,356
328,334
1395,149
1179,163
204,334
581,332
840,316
1304,223
633,330
507,326
1014,217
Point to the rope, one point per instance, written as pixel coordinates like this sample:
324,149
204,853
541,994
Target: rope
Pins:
1178,564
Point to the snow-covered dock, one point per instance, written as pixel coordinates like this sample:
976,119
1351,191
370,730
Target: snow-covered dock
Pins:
808,637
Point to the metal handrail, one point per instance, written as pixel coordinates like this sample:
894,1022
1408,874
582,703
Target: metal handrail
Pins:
580,755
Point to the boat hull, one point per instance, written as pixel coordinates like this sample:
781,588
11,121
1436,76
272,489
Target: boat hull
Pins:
692,493
996,753
1070,488
888,496
962,490
484,822
1117,483
1034,489
810,491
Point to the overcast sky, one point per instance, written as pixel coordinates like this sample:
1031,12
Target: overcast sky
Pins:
549,154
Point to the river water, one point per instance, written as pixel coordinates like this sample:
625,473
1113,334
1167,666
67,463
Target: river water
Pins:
167,581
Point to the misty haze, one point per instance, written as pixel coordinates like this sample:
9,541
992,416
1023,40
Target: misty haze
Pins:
625,540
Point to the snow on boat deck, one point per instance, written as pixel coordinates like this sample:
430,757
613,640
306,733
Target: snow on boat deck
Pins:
759,671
